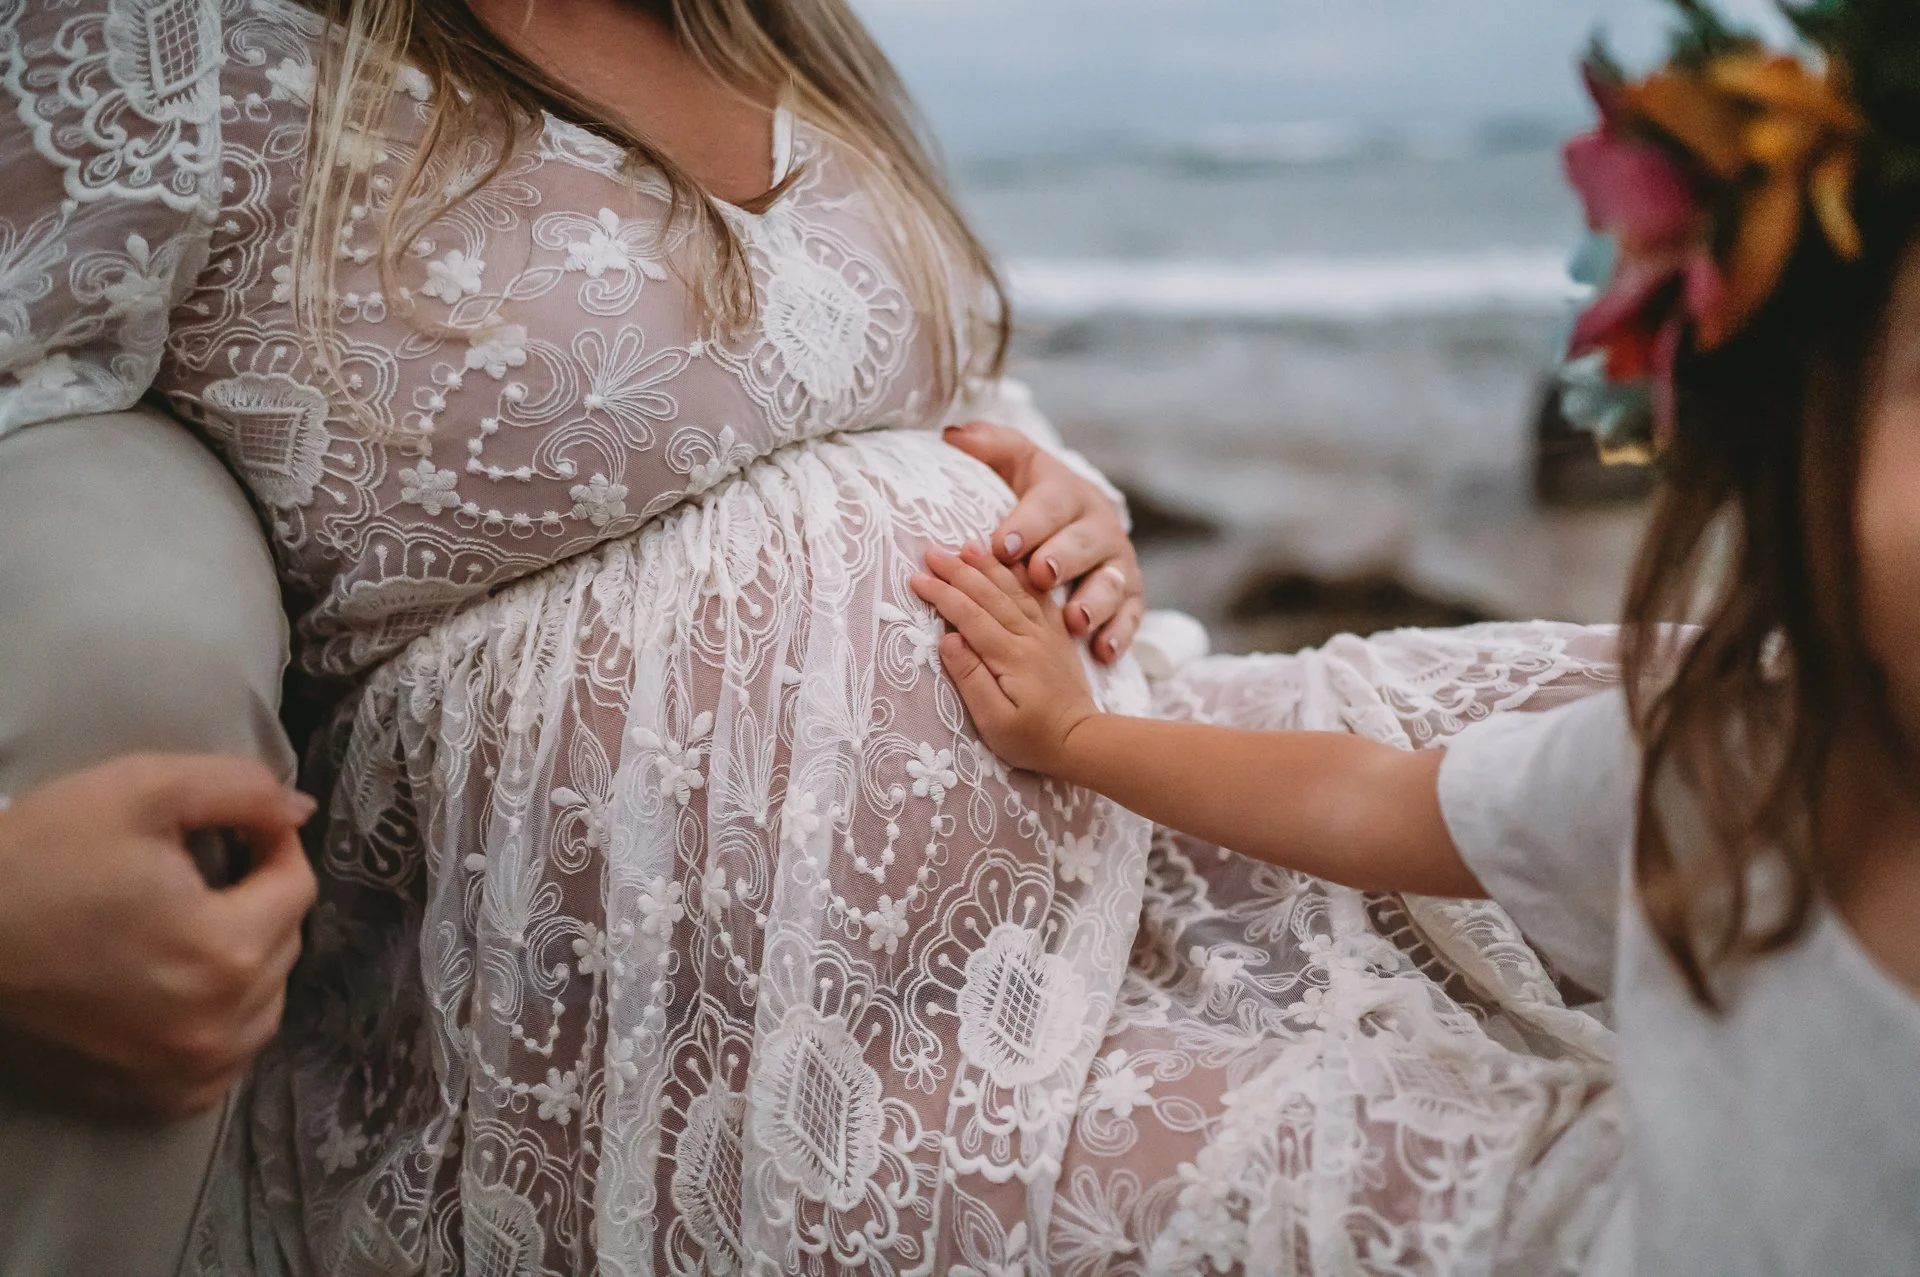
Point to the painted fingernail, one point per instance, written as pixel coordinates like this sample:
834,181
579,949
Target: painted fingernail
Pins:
1013,543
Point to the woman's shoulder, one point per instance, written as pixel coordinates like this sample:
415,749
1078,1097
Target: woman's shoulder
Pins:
126,130
136,99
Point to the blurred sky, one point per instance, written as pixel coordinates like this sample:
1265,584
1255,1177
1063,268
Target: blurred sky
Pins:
1031,76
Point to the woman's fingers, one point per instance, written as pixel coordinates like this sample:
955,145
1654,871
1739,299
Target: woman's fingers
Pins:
1043,513
1078,549
1099,598
1116,637
1005,449
1051,497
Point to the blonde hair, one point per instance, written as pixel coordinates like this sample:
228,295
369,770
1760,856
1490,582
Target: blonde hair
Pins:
814,51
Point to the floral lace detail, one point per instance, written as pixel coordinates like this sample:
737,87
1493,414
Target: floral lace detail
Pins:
1301,1079
115,154
674,920
123,100
759,932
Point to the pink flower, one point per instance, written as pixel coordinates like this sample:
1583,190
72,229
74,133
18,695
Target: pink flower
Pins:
1704,175
1665,278
1630,187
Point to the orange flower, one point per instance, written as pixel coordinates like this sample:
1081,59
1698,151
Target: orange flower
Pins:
1780,138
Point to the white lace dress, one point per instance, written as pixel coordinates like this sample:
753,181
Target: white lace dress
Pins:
673,918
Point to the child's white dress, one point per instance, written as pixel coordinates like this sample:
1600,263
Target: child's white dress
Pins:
673,918
1782,1136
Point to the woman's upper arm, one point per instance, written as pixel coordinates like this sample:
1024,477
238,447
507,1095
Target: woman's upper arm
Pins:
110,151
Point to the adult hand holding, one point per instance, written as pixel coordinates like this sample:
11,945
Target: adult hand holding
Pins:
127,985
1066,529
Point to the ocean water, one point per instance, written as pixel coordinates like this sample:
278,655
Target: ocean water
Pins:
1329,290
1296,268
1333,342
1341,227
1225,197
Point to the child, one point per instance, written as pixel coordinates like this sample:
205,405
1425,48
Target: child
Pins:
1729,845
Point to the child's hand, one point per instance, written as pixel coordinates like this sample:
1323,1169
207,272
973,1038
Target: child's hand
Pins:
1012,659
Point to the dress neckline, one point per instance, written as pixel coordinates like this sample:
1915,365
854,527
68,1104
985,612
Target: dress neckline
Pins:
782,168
1878,982
587,149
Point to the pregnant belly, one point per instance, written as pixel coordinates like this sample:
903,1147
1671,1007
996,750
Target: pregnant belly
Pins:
798,563
681,861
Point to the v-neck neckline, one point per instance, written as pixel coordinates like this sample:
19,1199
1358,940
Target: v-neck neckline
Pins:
781,154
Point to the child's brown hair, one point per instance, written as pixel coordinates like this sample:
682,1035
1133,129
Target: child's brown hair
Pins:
1752,536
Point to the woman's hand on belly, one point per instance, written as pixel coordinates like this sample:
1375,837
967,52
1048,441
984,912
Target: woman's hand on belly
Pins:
1066,530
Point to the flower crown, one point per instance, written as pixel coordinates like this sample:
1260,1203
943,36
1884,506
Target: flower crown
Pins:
1703,179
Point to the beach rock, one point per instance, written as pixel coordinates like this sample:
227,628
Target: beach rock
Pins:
1273,556
1568,473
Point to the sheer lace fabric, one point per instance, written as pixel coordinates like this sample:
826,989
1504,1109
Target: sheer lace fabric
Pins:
729,943
1304,1079
673,918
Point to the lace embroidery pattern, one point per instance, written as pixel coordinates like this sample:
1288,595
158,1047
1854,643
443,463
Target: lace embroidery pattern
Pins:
124,102
116,113
674,919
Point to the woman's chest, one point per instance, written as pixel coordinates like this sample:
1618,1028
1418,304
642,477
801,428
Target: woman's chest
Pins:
529,361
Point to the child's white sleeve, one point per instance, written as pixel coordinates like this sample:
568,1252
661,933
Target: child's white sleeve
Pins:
1542,809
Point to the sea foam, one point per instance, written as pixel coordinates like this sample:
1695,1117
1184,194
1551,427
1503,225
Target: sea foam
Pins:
1357,288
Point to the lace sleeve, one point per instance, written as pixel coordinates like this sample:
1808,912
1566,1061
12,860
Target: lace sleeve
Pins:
111,153
1417,689
1007,402
1412,688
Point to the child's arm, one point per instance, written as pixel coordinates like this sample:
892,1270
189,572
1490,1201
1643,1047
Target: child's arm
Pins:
1344,808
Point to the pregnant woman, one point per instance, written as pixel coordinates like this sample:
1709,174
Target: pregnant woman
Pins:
586,360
